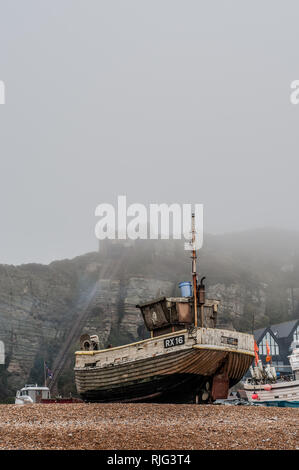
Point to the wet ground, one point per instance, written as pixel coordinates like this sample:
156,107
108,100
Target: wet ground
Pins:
147,426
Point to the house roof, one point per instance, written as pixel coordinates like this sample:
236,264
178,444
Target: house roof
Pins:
279,330
283,330
259,333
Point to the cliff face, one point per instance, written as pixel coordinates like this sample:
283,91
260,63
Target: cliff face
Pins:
39,304
36,303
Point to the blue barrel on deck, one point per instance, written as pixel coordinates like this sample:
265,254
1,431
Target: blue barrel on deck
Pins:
186,290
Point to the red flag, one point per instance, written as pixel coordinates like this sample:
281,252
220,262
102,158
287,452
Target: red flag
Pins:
268,358
256,350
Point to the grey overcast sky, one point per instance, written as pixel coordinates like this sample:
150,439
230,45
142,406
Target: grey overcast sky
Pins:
163,101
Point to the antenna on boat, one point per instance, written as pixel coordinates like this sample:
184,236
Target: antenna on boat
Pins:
45,375
194,275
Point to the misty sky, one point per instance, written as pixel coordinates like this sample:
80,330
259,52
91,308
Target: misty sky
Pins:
163,101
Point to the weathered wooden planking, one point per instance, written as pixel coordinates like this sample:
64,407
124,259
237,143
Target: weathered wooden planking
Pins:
199,353
203,362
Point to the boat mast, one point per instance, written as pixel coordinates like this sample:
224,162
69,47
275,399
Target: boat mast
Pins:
194,275
45,375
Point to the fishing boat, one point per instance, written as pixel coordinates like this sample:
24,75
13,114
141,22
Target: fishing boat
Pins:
267,387
187,358
31,393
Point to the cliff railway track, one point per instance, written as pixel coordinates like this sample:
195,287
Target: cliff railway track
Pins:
84,308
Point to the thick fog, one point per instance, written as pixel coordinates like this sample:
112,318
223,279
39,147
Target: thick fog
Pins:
162,101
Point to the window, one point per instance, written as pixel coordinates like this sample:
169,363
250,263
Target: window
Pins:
274,349
296,334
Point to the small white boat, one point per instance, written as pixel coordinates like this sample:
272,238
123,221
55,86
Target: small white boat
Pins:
266,387
32,394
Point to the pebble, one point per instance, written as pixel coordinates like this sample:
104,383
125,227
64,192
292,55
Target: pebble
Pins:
147,426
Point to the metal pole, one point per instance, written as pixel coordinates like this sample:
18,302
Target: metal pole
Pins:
202,315
45,374
194,270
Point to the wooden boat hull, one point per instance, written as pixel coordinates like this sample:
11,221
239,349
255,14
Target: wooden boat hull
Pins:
147,371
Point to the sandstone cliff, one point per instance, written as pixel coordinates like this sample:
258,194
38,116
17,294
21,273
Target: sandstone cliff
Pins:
39,304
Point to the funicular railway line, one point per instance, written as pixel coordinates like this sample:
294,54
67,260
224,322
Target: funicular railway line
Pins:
84,307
